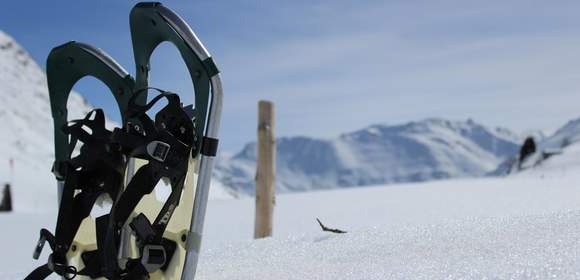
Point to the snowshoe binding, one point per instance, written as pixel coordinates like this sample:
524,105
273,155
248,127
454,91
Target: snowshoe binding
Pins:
140,237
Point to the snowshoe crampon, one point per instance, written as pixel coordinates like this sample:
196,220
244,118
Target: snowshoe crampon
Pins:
140,237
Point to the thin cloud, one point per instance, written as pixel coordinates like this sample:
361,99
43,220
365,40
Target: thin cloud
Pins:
418,65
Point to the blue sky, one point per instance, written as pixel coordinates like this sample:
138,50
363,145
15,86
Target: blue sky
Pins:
337,66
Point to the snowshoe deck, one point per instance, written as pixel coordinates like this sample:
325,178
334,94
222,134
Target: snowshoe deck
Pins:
141,236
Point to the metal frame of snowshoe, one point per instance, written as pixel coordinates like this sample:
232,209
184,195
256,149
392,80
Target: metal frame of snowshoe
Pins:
151,24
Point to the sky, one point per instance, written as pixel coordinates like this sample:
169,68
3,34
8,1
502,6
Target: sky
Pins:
336,66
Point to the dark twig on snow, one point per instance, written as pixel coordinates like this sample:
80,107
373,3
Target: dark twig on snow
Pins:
324,228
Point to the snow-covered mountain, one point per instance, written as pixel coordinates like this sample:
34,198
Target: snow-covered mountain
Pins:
380,154
563,137
559,149
27,131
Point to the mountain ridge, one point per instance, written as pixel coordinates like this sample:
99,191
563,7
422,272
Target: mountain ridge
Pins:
432,148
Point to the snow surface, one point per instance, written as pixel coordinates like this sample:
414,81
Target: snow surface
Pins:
519,227
529,247
523,226
380,154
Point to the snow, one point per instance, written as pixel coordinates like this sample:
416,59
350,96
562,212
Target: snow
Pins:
568,134
404,204
518,227
27,134
523,226
529,247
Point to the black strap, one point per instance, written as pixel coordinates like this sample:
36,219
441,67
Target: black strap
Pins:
173,131
53,266
142,229
135,270
43,271
165,142
143,183
107,247
96,170
40,272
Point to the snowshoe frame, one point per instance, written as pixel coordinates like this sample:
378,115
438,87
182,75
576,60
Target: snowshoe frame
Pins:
151,24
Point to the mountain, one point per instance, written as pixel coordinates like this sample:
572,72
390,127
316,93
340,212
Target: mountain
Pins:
380,154
563,137
27,131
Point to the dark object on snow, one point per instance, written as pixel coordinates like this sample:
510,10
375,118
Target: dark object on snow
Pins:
527,149
324,228
6,202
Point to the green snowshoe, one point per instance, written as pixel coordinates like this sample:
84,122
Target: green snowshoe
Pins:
141,237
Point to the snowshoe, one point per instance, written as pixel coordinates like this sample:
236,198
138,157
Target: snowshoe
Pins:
140,237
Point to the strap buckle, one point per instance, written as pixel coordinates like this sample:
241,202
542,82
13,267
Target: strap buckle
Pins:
45,235
158,150
153,257
39,246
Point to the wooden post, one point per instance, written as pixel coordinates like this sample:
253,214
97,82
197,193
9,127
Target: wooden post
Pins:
265,171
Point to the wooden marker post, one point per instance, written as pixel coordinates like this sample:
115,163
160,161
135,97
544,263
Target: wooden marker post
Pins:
265,171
